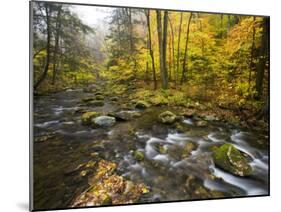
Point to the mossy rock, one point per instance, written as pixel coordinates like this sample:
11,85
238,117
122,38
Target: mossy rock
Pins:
201,123
167,117
99,97
114,99
86,118
232,160
181,128
188,114
141,105
125,115
88,99
138,155
45,137
95,103
210,118
98,93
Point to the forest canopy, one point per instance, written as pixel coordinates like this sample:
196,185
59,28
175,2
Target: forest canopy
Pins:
220,59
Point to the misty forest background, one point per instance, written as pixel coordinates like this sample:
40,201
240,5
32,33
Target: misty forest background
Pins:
215,62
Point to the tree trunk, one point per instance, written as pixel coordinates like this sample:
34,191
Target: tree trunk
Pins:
160,44
150,49
221,28
228,24
46,67
170,58
185,65
165,30
263,56
173,48
178,50
57,36
252,54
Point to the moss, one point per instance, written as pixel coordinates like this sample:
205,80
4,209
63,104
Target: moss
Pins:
87,117
177,98
163,149
138,155
232,160
159,100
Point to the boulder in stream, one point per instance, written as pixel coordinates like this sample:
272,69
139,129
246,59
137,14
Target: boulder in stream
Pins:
167,117
141,105
88,99
138,155
103,121
86,117
99,97
201,123
232,160
125,115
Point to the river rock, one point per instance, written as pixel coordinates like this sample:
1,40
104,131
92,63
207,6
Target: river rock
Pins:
114,99
95,103
167,117
211,118
99,97
44,137
201,123
232,160
86,118
88,99
103,121
126,115
141,105
188,148
138,155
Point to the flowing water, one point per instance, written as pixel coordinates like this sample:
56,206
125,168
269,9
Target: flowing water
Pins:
164,170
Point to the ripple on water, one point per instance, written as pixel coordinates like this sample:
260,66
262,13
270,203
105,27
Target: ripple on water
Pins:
249,186
47,123
188,121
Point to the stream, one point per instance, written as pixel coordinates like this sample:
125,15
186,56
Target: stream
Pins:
164,170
